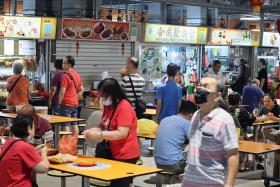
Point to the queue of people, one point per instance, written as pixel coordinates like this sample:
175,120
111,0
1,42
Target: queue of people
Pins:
208,126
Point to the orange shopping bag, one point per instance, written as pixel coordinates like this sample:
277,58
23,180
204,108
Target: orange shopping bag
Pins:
68,144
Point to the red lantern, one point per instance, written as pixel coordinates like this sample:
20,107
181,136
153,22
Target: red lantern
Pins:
77,48
278,25
256,5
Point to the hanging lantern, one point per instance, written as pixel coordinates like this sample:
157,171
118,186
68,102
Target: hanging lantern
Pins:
278,25
77,48
256,5
123,48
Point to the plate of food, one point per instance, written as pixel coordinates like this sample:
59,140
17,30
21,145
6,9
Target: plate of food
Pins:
69,32
106,34
85,33
98,28
62,158
85,163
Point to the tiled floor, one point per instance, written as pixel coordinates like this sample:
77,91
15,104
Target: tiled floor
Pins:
249,179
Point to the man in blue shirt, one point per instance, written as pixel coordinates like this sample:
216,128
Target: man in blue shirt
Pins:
171,136
252,95
169,95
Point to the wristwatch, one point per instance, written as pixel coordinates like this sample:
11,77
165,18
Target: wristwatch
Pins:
99,136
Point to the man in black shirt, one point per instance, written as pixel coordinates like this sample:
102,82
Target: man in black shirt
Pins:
262,75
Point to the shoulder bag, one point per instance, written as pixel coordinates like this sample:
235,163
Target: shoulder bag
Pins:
15,83
103,148
140,105
11,144
72,79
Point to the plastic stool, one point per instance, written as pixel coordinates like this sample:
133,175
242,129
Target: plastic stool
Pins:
165,173
55,173
99,183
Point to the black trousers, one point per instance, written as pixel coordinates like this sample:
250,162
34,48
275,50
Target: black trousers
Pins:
125,181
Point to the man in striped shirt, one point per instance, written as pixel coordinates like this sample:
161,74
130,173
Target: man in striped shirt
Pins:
137,80
213,148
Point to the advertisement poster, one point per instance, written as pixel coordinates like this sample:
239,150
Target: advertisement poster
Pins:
85,29
135,32
271,39
27,47
202,35
48,28
21,27
171,34
231,37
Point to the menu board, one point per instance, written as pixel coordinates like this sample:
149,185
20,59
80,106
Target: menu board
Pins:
9,47
48,28
87,29
21,27
271,39
170,34
27,47
233,37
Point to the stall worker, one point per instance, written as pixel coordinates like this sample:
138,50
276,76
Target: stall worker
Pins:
262,75
172,134
71,90
168,96
216,71
213,148
18,158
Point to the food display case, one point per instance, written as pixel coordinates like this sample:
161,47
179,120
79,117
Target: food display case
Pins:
18,43
165,44
229,46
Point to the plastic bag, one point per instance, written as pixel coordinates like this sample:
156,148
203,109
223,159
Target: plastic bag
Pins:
146,127
68,144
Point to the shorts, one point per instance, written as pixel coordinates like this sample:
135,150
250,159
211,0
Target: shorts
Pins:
178,167
56,110
69,111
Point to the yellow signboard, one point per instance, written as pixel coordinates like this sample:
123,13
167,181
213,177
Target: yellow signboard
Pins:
48,28
202,35
170,34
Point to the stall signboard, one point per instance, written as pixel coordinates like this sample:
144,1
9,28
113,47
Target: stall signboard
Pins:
271,39
234,37
202,35
48,28
170,34
88,29
21,27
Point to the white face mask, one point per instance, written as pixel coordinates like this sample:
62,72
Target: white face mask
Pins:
106,102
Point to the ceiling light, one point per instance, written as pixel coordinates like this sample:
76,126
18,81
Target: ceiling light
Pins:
250,18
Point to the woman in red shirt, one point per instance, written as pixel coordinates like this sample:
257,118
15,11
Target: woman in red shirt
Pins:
122,129
18,158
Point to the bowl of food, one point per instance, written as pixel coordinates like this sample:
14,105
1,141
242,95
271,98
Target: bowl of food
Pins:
85,33
62,158
69,32
106,34
124,36
98,28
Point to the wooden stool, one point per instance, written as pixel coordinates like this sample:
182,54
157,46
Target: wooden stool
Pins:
99,183
55,173
168,174
82,126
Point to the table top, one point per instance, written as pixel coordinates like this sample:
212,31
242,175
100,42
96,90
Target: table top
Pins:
117,170
146,136
256,147
268,122
52,119
150,111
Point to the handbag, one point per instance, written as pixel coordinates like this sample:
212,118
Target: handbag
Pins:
102,149
140,104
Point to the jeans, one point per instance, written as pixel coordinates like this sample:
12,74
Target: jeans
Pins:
69,111
178,167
